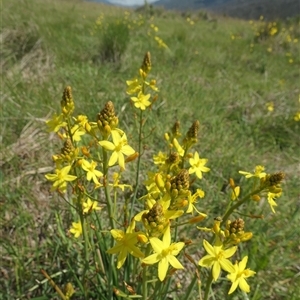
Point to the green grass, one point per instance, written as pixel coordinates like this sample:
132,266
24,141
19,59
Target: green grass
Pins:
205,75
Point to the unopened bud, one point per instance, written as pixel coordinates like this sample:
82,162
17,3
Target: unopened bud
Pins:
142,238
85,151
255,198
197,219
246,236
132,157
87,127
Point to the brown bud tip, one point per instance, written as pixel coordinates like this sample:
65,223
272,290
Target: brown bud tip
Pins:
176,129
67,94
276,178
146,66
181,181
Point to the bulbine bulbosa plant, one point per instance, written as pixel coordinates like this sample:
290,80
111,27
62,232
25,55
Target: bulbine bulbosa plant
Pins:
127,233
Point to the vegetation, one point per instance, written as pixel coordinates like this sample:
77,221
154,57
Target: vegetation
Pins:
239,79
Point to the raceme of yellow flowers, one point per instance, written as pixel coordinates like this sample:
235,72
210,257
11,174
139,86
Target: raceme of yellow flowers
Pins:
144,222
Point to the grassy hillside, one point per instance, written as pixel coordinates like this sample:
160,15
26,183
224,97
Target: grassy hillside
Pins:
240,80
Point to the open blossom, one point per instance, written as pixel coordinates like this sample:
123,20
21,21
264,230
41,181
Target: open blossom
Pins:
90,205
217,258
271,201
119,148
141,101
125,244
165,253
56,123
258,172
76,229
60,178
198,165
92,173
238,277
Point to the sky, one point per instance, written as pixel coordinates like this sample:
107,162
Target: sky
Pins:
131,2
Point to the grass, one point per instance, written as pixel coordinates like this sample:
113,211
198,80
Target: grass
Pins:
204,75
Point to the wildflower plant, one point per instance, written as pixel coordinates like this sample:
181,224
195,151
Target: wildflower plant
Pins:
129,236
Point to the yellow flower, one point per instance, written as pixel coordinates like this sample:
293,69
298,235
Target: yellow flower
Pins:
178,147
273,31
134,86
90,205
76,229
217,259
198,165
56,123
152,85
160,158
238,277
77,132
60,178
125,244
165,253
235,193
271,197
92,173
270,106
141,101
119,148
192,200
297,116
258,172
116,184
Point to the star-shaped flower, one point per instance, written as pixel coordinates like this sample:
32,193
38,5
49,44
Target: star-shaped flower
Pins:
217,258
141,101
198,165
60,178
76,229
92,173
125,244
119,147
165,253
90,205
238,277
271,197
258,172
56,123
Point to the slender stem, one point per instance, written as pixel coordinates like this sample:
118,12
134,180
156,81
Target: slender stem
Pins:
137,180
208,285
237,204
111,218
57,289
190,288
144,282
106,191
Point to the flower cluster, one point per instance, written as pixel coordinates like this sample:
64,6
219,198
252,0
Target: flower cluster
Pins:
87,175
276,36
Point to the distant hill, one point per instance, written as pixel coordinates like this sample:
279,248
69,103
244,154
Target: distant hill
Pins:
243,9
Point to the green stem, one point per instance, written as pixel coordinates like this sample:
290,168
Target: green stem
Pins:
190,288
111,218
106,191
144,282
237,204
137,180
208,285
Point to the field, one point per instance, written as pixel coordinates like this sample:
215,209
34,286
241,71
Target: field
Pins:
240,79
